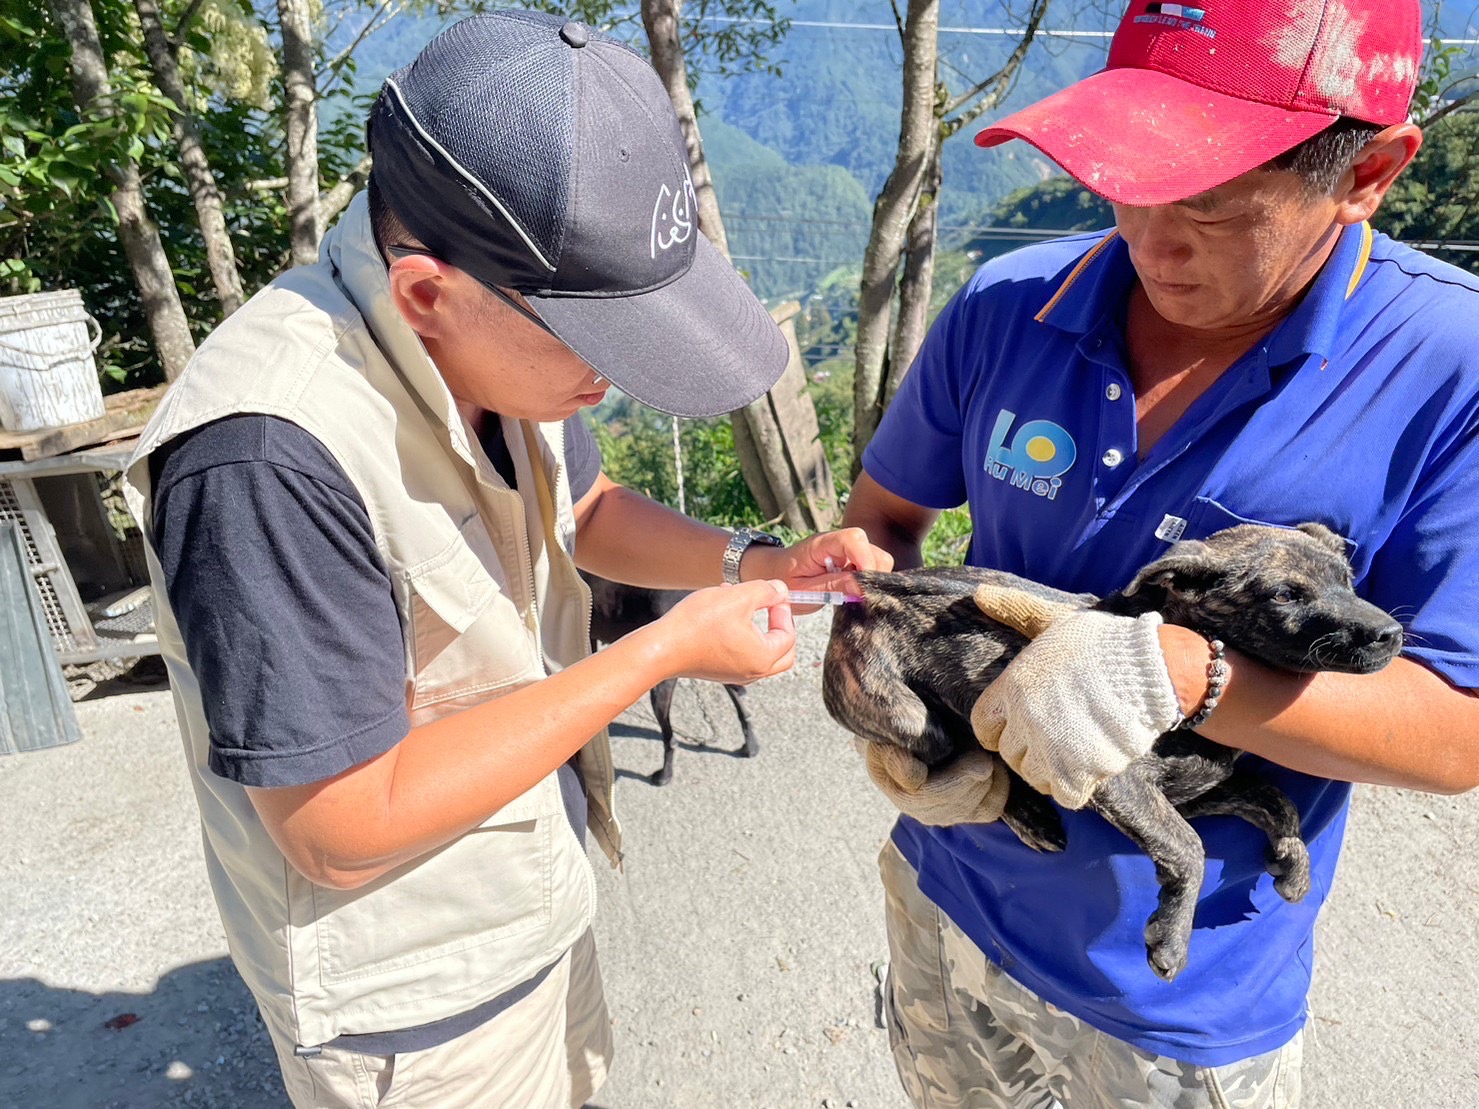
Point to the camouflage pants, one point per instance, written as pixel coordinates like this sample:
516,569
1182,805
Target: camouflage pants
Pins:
966,1036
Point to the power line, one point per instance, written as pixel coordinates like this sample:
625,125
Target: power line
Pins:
969,228
999,32
840,25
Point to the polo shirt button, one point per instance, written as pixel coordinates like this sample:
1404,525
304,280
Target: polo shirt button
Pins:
1113,458
1114,392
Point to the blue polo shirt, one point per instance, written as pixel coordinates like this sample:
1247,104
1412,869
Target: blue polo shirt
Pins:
1360,411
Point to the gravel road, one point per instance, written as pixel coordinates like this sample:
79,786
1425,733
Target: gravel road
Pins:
739,945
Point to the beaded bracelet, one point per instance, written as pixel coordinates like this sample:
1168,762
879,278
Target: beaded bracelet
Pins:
1216,682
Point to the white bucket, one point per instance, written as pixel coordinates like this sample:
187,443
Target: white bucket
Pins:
48,377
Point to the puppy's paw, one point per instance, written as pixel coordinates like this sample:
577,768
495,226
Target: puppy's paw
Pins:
1289,863
1165,949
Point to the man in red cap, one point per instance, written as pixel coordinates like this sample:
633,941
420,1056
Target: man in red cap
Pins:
1241,347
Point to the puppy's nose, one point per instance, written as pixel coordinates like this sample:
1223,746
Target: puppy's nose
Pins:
1389,637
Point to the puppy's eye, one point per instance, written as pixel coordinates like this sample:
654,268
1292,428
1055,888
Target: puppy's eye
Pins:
1285,597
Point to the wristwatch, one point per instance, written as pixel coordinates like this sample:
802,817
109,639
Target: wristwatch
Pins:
739,542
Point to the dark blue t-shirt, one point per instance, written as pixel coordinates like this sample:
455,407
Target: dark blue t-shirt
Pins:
1360,411
283,599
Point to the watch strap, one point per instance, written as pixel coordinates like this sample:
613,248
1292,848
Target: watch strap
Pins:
741,541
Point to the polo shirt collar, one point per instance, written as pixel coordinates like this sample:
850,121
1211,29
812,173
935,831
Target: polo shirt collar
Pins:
1312,327
1102,278
1096,285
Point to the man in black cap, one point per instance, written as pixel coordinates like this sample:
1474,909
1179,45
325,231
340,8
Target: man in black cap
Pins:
362,503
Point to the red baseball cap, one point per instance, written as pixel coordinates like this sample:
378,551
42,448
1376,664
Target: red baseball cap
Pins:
1197,94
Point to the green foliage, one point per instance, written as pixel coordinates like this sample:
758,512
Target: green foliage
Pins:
1437,198
788,226
1058,204
58,228
720,37
637,451
949,539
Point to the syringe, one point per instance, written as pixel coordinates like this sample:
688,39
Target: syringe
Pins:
809,597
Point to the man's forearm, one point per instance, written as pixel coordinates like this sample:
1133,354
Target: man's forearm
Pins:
630,538
892,523
448,776
1404,726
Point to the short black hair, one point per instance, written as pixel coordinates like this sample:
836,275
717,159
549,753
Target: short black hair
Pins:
389,228
1321,161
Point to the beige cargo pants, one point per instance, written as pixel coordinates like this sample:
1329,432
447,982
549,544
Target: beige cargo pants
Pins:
966,1036
549,1050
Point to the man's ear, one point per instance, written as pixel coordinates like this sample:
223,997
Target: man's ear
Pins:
419,286
1374,171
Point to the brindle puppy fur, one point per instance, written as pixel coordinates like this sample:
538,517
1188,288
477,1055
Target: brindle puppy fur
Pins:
906,666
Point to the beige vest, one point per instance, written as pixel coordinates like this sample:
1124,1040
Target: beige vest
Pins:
489,601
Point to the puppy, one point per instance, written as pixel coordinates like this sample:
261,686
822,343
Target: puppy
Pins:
907,665
618,609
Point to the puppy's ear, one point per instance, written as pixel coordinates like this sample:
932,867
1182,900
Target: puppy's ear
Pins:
1186,567
1325,536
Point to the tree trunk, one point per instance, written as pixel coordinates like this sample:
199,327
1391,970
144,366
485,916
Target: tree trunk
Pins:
907,216
209,209
665,38
917,286
777,438
334,200
301,106
136,231
892,216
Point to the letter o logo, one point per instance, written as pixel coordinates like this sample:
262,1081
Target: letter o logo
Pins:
1043,450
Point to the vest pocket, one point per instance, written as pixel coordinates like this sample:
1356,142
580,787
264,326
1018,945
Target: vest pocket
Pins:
467,635
488,885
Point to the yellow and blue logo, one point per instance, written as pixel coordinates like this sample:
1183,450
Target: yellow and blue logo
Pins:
1039,455
1185,17
1180,11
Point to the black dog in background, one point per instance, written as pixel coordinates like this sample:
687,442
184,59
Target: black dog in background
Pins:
907,666
618,609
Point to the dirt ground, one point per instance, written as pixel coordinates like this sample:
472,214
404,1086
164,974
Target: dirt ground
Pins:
740,946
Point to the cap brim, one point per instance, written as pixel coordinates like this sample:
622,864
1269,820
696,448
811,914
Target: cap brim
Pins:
1138,137
701,345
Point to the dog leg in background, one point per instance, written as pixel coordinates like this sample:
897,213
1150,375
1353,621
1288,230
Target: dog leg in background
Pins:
737,696
1269,808
662,711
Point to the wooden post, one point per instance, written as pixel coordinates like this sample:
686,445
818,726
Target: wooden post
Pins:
780,448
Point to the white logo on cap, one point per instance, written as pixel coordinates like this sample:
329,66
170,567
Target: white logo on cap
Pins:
672,217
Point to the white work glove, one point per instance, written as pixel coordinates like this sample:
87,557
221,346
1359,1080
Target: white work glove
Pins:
970,790
1084,699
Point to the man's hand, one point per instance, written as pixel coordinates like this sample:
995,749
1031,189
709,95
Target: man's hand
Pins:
1080,702
970,790
711,634
820,562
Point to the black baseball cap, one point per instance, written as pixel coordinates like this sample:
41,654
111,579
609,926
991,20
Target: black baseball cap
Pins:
537,154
